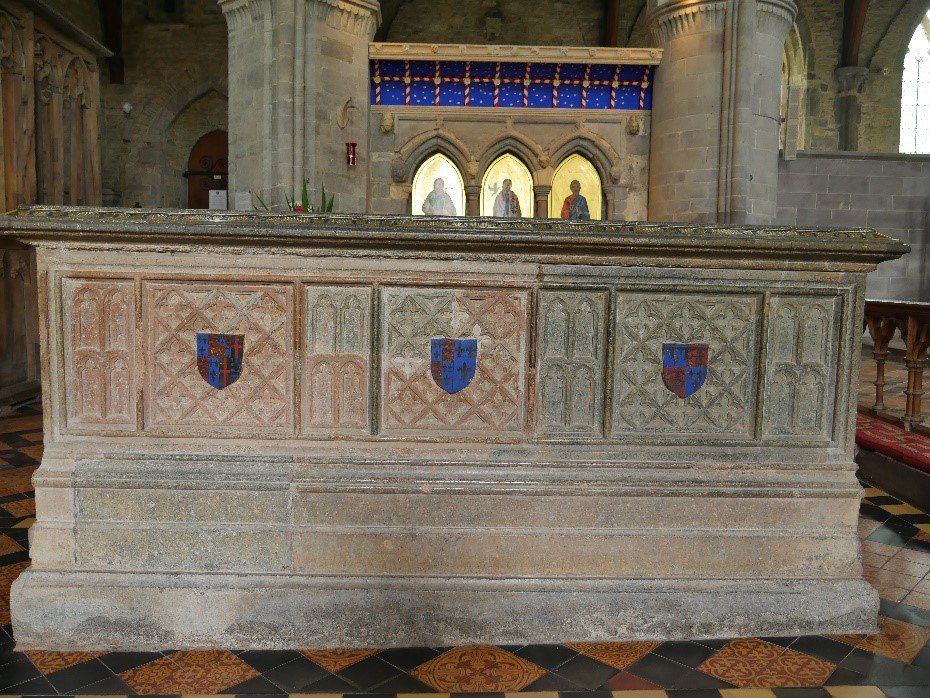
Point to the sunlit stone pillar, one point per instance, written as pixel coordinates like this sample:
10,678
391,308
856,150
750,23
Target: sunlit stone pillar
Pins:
715,117
298,92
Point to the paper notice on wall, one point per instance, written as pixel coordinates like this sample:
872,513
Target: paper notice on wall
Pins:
218,200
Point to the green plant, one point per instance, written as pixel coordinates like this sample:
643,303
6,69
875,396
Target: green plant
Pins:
326,205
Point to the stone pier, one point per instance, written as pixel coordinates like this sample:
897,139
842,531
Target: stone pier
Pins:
643,431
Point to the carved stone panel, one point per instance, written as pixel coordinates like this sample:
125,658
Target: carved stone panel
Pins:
725,404
100,330
493,404
571,362
177,395
801,366
336,364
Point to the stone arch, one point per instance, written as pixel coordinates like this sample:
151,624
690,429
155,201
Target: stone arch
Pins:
797,58
202,115
415,151
891,47
524,149
144,178
598,150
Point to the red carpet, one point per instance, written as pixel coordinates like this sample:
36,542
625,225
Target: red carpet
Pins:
910,448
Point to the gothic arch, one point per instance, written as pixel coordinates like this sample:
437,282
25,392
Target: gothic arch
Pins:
202,115
890,49
797,58
598,150
518,145
415,152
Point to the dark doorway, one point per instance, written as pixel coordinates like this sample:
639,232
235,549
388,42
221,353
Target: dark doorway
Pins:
207,168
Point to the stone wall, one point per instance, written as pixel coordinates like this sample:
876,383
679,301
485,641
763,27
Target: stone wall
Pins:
888,192
175,85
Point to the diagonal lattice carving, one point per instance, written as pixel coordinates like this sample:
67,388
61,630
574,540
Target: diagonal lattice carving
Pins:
177,395
494,400
725,404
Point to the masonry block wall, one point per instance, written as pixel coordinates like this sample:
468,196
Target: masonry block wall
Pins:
890,193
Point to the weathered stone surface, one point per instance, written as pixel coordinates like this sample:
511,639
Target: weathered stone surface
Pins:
335,490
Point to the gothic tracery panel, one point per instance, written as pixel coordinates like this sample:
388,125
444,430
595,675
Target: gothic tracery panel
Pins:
802,365
177,394
337,365
571,365
494,400
99,347
725,404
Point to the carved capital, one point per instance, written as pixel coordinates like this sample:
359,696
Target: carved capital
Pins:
241,13
774,17
850,80
358,17
679,17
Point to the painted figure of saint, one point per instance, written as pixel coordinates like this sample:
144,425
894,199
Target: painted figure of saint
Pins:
575,207
438,202
507,204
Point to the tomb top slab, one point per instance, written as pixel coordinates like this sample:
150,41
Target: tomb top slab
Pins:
540,240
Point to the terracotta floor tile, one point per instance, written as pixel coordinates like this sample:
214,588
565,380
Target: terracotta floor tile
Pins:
793,670
23,507
921,557
855,692
476,669
739,662
50,662
896,640
904,566
200,672
619,655
890,579
873,492
16,481
8,545
916,598
335,661
35,437
20,424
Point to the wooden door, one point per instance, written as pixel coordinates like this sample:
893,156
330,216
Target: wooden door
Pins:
207,168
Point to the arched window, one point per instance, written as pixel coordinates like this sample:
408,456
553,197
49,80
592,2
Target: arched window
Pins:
438,189
915,92
571,169
516,203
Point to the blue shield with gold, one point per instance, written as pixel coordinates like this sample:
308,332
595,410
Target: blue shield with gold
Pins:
453,362
219,358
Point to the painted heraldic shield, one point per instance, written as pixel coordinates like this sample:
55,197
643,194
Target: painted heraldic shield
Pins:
684,367
219,358
453,362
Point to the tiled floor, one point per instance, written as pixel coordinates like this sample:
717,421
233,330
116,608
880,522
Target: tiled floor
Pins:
896,662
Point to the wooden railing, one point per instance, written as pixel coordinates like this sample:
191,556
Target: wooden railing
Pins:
883,319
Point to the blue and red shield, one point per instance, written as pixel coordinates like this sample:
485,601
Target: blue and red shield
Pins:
453,362
684,367
219,358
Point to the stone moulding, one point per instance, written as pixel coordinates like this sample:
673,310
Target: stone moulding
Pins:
335,496
531,54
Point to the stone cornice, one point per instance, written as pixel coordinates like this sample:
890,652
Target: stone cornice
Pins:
542,241
519,54
684,17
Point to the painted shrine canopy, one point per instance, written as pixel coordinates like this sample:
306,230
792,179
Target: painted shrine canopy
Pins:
529,84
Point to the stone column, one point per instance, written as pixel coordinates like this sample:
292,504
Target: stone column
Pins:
293,67
472,199
541,193
849,81
715,113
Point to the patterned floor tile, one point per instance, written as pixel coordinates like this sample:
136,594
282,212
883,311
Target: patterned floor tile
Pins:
619,655
479,668
201,672
335,661
50,662
896,639
749,663
16,481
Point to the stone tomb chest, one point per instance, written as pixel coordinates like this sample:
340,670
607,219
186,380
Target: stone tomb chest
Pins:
331,472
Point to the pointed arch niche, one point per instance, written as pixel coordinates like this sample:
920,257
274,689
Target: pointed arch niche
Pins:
510,167
578,167
434,168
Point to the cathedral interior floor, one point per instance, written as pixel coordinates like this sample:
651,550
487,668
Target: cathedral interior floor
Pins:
896,662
